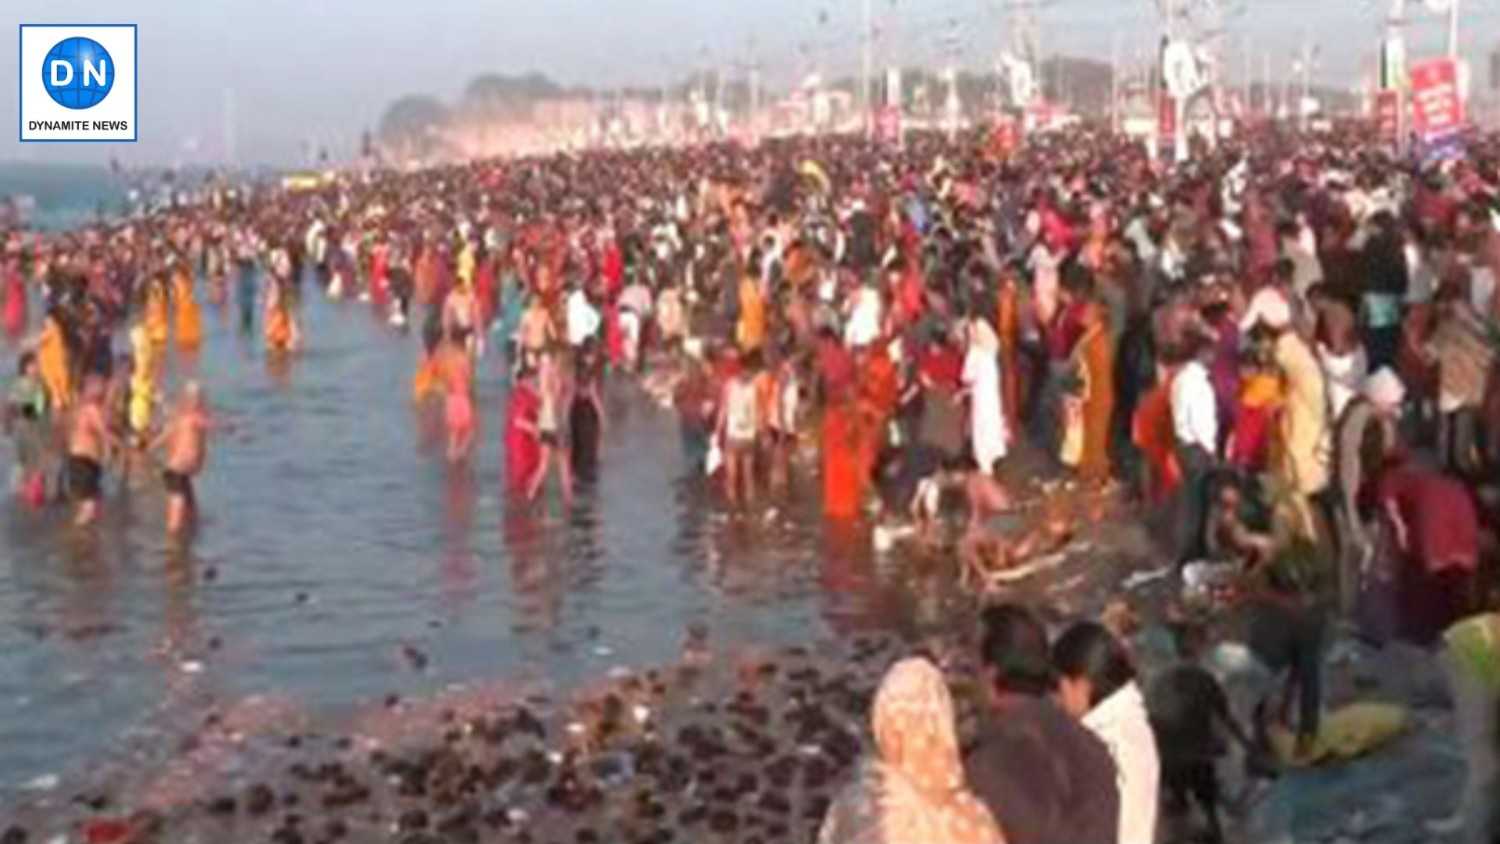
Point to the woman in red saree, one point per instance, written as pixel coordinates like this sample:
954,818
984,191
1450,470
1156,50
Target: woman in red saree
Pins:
14,311
485,289
523,453
380,269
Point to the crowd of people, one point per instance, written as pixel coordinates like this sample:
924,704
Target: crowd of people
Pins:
1288,342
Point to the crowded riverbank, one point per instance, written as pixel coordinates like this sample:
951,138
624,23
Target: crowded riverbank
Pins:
718,402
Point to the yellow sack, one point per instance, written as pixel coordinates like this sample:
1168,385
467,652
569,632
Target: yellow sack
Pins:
1474,645
1347,733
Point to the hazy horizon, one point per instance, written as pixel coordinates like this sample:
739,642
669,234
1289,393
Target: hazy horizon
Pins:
296,75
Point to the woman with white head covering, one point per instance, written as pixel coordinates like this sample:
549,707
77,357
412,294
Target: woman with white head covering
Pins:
981,380
1365,431
912,790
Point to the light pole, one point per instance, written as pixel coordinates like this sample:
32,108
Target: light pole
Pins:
1114,82
1393,61
1453,29
1179,103
866,46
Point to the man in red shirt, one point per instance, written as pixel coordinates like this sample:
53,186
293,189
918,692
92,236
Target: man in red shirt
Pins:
1435,530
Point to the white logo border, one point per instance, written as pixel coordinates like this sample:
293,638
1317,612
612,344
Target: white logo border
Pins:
135,127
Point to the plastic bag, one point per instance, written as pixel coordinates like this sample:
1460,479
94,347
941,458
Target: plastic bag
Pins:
714,458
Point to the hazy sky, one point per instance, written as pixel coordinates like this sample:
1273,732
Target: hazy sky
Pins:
322,70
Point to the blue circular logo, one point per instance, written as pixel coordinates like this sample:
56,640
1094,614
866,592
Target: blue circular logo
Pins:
78,72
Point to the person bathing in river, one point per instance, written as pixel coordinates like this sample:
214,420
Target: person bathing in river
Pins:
523,453
551,426
189,316
455,368
537,331
282,334
461,315
89,438
24,419
586,414
185,441
739,427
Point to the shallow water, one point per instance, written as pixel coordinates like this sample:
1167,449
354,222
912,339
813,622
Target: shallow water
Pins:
334,536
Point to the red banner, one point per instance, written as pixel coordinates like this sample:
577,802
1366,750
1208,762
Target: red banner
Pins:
1437,108
1388,115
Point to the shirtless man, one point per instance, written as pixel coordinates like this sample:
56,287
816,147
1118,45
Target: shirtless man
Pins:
89,438
460,314
552,428
536,333
185,440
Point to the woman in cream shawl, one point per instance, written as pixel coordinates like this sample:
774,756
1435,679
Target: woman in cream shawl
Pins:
912,791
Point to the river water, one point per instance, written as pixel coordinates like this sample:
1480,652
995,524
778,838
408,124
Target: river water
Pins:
337,549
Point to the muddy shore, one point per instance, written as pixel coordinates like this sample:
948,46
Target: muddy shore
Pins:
730,743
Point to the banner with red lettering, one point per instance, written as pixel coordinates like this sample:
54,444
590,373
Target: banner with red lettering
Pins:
1437,107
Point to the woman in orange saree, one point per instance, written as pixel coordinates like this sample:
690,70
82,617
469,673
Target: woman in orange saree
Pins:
52,360
280,331
189,320
1008,331
845,463
1153,434
157,327
1096,355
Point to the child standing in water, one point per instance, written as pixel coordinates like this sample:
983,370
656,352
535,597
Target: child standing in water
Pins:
185,440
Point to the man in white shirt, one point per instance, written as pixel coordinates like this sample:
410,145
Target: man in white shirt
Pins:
863,327
582,317
1195,421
